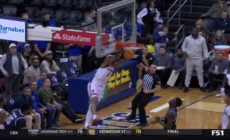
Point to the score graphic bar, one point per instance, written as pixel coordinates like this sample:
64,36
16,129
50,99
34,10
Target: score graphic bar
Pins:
115,132
110,132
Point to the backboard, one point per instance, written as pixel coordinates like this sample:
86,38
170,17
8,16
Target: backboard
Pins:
119,21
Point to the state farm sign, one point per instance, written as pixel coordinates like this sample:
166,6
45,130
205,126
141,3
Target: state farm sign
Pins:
81,38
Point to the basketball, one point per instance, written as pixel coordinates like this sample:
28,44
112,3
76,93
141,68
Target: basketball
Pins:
128,54
119,45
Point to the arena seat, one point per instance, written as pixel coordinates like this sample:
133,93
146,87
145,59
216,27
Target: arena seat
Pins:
68,4
84,5
3,1
16,1
61,15
52,4
71,71
58,87
9,10
75,16
120,18
62,75
46,9
73,63
126,11
143,5
37,2
33,12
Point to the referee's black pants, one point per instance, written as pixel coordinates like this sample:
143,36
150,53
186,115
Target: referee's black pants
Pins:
164,75
140,101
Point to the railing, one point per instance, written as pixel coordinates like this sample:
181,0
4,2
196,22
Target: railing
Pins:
171,8
182,27
178,10
191,3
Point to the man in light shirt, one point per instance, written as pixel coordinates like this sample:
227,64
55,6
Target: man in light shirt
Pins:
225,124
148,17
33,73
11,65
194,48
217,70
48,64
90,20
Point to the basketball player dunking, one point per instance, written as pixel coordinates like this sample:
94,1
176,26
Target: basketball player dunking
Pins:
171,116
225,124
3,113
100,80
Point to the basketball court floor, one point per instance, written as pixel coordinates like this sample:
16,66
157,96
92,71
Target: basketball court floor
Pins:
198,111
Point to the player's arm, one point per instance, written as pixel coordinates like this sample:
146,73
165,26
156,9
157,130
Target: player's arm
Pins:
120,63
145,67
3,114
154,122
170,118
228,127
228,113
112,58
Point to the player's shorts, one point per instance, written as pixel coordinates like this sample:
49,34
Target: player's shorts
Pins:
95,90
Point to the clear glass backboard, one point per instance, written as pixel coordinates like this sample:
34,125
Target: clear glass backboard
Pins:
118,20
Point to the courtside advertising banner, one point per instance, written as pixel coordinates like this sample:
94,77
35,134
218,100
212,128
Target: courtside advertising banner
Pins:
120,81
13,30
80,38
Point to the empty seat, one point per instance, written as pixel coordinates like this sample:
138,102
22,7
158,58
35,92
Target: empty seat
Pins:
83,4
62,75
3,1
68,3
37,2
75,16
120,18
45,10
16,1
61,15
143,5
33,12
52,2
9,10
53,79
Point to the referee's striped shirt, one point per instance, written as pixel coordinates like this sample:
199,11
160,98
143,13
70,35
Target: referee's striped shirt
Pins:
150,81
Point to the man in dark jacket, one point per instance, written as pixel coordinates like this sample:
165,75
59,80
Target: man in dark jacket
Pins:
40,108
25,97
146,59
179,67
222,23
12,65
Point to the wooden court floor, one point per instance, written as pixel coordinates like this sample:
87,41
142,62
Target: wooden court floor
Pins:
198,111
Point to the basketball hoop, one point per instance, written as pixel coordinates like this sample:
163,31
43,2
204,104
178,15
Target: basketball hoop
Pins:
128,45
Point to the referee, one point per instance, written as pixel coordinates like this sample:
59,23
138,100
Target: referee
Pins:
151,84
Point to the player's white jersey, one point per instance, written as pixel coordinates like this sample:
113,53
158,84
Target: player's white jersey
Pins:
225,115
102,75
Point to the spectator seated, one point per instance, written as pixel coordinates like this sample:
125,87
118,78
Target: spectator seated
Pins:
222,23
49,65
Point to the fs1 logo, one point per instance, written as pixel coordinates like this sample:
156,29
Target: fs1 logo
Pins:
217,132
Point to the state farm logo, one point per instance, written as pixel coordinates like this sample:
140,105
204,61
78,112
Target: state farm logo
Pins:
57,36
67,37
